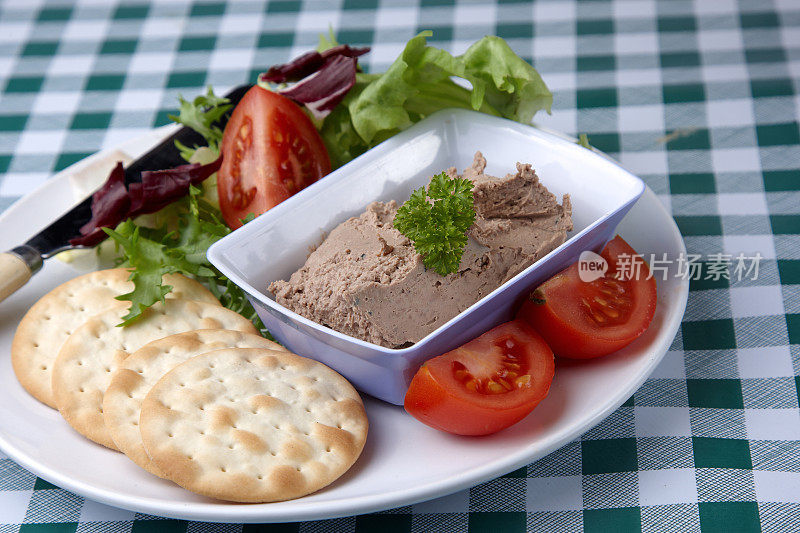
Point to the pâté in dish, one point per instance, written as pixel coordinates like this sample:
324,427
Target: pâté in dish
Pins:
367,280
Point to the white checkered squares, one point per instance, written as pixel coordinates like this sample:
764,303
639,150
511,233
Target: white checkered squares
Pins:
638,78
85,30
756,301
772,424
667,486
237,24
749,245
558,47
56,102
15,32
7,65
554,11
716,40
736,160
790,36
70,65
563,120
454,503
319,20
725,74
92,511
777,486
742,204
641,118
662,422
717,7
563,493
115,137
670,367
151,63
397,17
14,505
645,162
765,362
163,27
722,113
642,43
138,99
231,59
40,142
633,9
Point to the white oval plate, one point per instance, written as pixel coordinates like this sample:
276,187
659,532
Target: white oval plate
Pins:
404,462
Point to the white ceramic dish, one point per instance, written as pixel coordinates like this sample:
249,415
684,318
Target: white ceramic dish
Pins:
276,244
403,462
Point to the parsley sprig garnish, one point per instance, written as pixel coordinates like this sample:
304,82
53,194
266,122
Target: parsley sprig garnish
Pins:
437,220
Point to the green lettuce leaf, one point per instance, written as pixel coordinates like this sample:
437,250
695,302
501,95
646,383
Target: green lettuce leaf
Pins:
420,82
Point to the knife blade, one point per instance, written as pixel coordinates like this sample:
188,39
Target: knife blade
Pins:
20,263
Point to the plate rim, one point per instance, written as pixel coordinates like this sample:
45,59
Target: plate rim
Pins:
298,510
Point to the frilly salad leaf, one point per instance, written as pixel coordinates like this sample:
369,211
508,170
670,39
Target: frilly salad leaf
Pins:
201,114
419,82
153,252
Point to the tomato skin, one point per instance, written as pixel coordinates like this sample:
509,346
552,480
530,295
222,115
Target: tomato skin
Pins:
436,398
270,150
555,311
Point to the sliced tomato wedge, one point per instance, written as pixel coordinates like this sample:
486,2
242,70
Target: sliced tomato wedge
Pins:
270,150
485,385
583,320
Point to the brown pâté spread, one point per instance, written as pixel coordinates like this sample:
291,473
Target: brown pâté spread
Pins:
366,280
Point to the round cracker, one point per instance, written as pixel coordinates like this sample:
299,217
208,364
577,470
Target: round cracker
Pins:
253,425
47,324
134,378
84,365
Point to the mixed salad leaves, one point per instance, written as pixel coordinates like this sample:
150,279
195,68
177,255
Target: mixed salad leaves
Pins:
421,81
351,111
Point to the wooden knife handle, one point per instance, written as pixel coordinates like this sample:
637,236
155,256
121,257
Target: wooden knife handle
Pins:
16,268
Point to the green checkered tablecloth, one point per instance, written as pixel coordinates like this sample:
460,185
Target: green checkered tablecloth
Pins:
698,98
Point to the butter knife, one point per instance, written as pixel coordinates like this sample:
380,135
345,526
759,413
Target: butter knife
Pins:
21,262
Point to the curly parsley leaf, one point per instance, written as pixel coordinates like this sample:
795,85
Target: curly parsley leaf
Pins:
583,140
201,114
437,220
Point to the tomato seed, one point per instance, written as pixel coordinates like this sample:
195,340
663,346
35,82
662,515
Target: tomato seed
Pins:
495,387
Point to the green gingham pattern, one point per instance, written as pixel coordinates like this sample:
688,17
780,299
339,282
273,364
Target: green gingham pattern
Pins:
700,99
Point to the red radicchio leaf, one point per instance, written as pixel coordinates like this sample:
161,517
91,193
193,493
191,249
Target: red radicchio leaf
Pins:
308,63
321,91
160,188
112,203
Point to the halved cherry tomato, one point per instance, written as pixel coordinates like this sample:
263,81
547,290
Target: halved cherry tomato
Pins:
485,385
583,320
270,150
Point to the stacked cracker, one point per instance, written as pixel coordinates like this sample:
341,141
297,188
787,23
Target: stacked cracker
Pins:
190,392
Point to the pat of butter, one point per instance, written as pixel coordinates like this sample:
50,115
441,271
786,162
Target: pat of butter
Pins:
87,178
